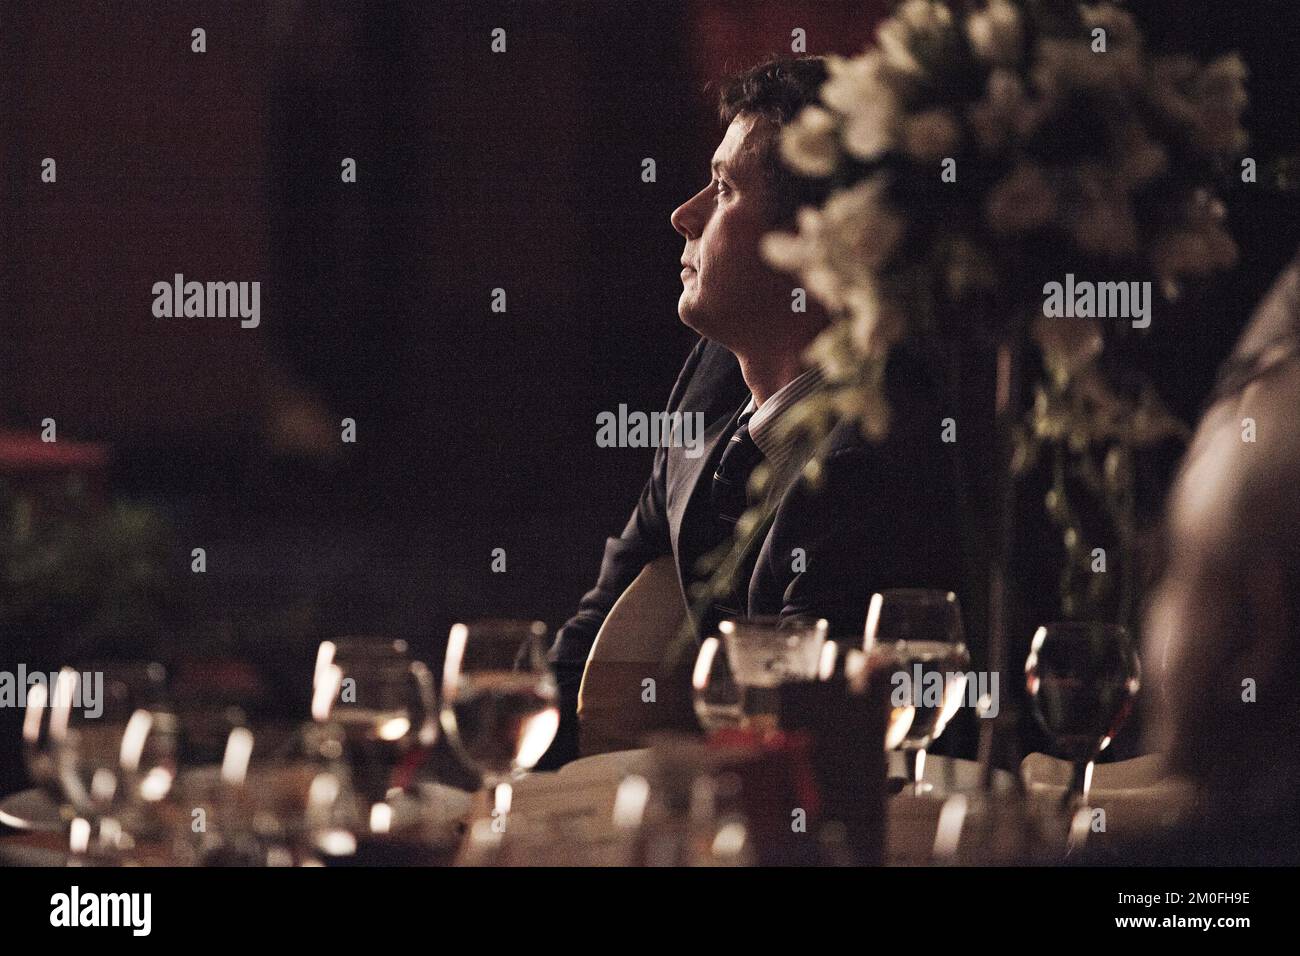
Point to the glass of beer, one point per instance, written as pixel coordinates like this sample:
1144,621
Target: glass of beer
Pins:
762,653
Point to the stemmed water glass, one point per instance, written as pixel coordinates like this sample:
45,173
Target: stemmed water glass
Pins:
45,724
386,707
115,750
1082,677
498,705
918,635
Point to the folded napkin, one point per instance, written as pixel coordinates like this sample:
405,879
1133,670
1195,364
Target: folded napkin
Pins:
912,833
1041,772
1136,796
564,818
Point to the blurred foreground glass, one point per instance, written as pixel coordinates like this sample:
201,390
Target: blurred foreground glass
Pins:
277,795
737,677
917,635
116,750
714,692
45,724
499,699
386,707
1082,677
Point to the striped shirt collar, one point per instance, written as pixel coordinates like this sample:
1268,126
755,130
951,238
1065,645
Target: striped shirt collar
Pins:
777,449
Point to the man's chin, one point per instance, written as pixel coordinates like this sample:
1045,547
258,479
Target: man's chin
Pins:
704,326
690,317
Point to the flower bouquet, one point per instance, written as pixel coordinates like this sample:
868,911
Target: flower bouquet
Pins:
1014,183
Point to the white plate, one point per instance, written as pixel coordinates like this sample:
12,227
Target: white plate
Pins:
30,810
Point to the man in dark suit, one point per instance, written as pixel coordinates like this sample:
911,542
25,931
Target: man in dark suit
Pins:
880,517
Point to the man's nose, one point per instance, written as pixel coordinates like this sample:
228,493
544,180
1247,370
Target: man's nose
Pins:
686,219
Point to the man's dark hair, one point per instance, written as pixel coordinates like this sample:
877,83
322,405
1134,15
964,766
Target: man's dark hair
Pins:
777,90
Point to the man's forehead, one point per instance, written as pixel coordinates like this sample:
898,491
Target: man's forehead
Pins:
741,144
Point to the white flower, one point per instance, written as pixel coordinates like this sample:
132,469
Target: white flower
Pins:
1199,246
1066,66
859,231
851,254
916,35
825,285
931,135
805,254
1170,77
808,145
831,352
1219,98
894,38
995,33
870,406
1209,101
1005,111
786,251
874,328
869,107
1224,81
1140,158
924,16
860,396
849,81
1022,202
869,132
1121,29
840,249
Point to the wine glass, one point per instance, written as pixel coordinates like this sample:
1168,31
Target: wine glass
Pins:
384,702
45,723
499,705
762,653
1082,677
917,633
116,753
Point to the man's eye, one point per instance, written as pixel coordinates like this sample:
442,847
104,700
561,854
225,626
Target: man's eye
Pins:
722,187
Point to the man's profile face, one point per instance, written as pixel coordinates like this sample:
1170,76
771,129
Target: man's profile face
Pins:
728,293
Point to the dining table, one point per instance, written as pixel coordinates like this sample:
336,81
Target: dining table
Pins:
570,816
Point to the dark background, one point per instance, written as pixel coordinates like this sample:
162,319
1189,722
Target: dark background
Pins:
475,170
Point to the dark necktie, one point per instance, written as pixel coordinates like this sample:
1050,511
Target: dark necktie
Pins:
730,500
731,479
